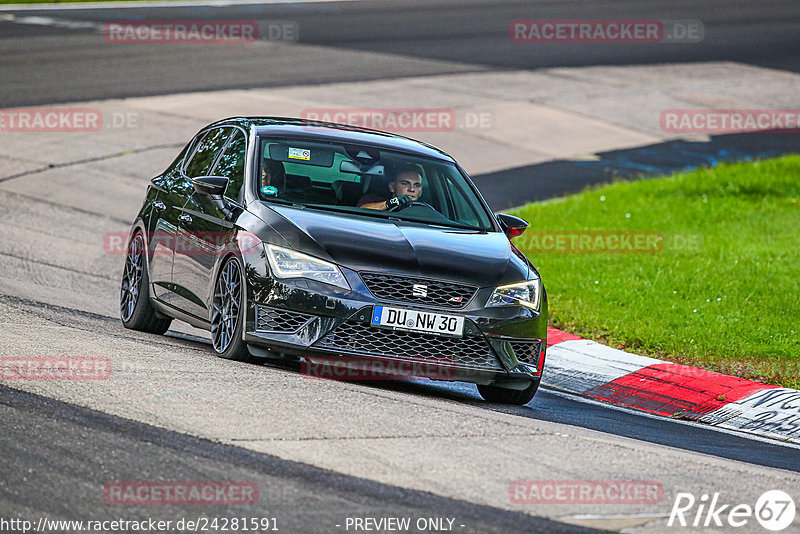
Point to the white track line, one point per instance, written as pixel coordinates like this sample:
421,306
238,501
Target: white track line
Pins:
49,21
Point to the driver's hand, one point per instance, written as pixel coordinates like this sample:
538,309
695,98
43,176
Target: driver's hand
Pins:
398,203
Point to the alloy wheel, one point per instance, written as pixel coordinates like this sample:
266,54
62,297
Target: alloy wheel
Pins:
225,306
132,277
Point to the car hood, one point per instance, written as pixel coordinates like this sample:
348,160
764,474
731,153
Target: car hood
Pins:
375,244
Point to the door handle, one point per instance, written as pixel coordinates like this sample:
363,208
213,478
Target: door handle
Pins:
185,217
160,206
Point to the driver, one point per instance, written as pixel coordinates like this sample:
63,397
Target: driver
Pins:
406,188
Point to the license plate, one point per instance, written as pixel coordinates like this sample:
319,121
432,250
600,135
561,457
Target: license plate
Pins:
418,321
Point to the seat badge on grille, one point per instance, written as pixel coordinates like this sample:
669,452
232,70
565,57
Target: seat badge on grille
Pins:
456,300
419,290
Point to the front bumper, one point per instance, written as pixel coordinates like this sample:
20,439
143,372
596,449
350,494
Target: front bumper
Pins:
501,346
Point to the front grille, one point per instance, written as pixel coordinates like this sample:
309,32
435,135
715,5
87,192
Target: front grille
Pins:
401,289
527,351
363,339
280,321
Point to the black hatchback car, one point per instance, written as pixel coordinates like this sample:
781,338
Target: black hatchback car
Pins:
332,244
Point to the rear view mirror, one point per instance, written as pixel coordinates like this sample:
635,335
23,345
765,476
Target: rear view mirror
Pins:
364,170
512,226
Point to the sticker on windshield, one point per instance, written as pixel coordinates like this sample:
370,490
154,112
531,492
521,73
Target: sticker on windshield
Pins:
299,153
269,190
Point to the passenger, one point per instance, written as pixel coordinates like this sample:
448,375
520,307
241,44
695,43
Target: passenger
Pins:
272,173
405,189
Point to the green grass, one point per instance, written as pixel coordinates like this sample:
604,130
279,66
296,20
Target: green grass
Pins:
723,293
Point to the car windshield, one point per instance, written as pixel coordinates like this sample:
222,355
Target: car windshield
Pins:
361,179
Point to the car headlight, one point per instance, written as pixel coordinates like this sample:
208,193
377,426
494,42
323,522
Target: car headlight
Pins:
287,263
528,294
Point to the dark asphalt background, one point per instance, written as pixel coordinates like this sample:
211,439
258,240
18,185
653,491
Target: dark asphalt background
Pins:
47,64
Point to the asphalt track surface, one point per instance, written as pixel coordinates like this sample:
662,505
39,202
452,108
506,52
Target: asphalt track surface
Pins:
548,405
355,41
87,438
55,454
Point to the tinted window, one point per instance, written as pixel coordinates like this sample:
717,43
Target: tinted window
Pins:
205,154
231,164
464,206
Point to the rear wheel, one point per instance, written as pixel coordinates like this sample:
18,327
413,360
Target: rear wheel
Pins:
501,395
135,309
227,314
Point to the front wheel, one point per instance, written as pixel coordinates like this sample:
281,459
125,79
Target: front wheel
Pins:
500,395
135,309
228,314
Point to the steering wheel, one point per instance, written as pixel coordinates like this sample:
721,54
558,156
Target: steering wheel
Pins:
424,204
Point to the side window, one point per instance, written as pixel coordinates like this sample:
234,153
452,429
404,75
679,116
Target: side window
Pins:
206,152
464,209
231,164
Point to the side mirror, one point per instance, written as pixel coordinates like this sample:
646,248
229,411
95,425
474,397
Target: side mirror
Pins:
214,186
512,226
210,185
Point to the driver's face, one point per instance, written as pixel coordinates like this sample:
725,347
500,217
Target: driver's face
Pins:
407,183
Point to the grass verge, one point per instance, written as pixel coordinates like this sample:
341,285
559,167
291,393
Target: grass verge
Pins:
700,268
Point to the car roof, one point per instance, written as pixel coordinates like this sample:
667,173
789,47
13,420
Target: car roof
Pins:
337,133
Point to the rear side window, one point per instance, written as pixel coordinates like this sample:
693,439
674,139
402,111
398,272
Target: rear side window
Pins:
231,164
206,153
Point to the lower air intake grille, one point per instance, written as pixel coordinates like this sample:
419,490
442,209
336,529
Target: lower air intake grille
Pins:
527,351
277,320
359,338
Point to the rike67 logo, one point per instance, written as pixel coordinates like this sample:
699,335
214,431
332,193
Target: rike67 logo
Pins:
774,510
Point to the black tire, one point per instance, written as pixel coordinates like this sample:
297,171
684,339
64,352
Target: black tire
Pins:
135,309
228,313
520,397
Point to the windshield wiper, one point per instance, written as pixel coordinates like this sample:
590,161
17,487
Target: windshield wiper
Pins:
440,224
378,214
277,201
